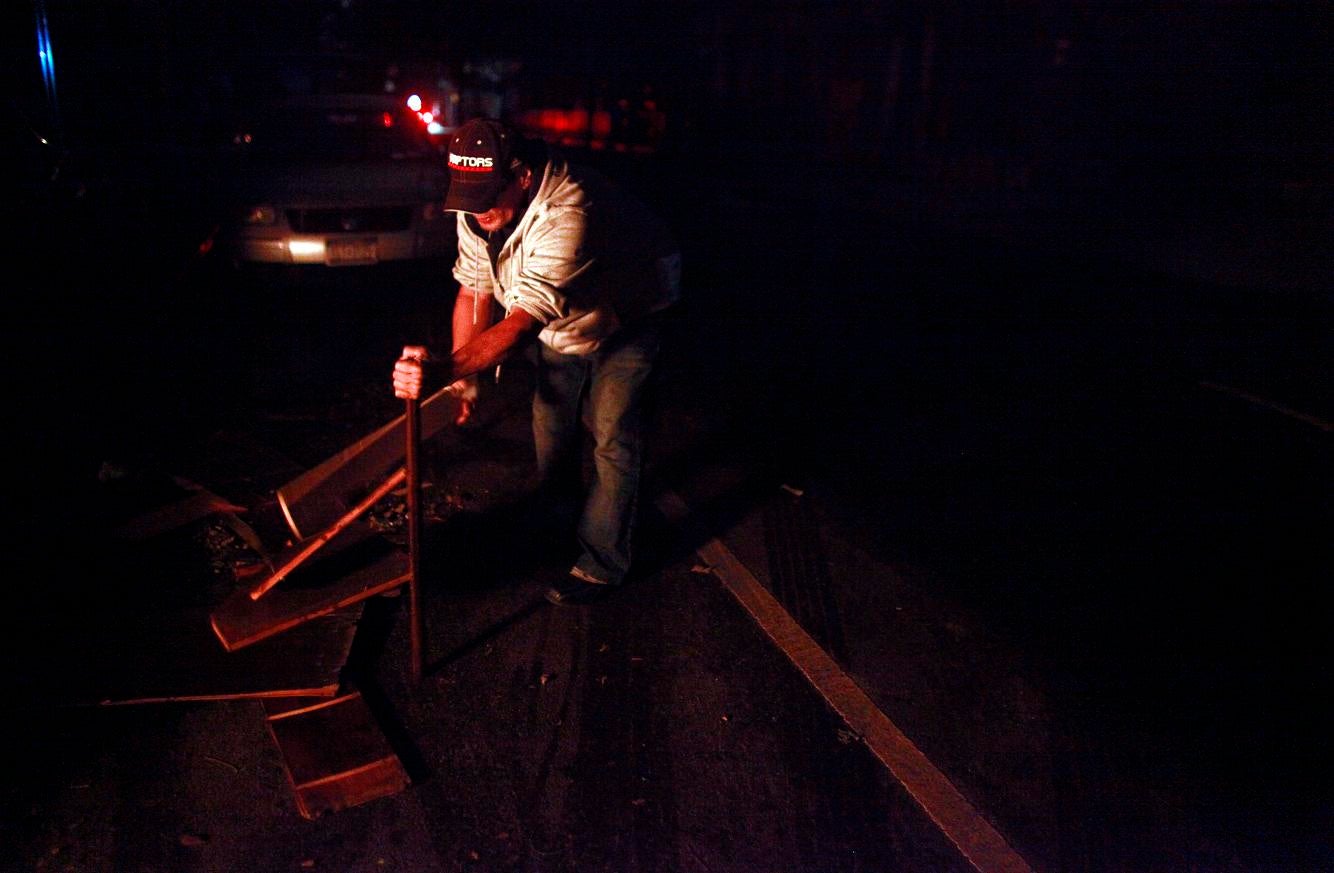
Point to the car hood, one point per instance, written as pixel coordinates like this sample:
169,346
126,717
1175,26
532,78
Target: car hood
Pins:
363,184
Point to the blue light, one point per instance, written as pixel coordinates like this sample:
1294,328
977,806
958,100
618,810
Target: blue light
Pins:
44,53
46,60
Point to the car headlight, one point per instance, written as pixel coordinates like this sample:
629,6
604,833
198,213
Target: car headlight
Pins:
260,215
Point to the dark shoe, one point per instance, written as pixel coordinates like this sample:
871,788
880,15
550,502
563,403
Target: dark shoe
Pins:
573,591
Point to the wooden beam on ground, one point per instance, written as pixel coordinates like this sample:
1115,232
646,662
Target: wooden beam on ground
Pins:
174,657
357,566
335,754
317,498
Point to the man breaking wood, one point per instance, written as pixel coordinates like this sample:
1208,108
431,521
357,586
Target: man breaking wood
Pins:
585,269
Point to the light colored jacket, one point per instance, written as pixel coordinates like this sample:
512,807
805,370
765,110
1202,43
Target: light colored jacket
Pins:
584,259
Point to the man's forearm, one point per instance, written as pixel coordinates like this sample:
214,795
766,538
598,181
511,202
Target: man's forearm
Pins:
473,313
493,345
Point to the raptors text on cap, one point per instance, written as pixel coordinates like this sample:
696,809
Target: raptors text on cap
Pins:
469,163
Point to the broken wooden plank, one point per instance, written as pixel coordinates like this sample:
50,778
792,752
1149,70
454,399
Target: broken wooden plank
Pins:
198,505
315,499
359,566
174,656
121,622
335,754
249,536
290,562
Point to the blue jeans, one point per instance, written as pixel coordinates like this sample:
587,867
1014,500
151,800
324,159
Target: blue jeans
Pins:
612,382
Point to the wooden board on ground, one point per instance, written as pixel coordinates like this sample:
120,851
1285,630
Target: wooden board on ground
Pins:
174,656
118,610
355,566
320,496
335,754
191,508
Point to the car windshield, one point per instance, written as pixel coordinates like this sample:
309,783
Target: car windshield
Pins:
336,133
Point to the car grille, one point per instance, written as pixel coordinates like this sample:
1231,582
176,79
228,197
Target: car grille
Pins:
377,220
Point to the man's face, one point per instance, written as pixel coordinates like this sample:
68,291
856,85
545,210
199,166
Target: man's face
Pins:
508,204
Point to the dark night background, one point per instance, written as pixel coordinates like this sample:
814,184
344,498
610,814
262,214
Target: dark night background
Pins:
1037,293
1138,112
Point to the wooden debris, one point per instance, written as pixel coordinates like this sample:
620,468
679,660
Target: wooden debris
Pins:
176,658
359,566
335,754
317,498
289,563
191,508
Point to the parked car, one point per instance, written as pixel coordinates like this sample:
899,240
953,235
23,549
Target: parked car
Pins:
334,180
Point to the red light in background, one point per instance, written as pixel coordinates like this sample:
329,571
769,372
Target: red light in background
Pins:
387,120
569,122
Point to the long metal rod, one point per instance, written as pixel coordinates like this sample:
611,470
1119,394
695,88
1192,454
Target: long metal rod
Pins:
412,419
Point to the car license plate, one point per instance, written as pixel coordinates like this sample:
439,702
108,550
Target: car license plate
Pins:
344,252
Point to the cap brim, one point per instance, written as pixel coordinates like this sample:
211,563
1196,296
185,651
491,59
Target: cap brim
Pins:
472,196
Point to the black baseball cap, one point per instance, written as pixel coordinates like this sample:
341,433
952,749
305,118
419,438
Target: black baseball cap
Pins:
480,155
